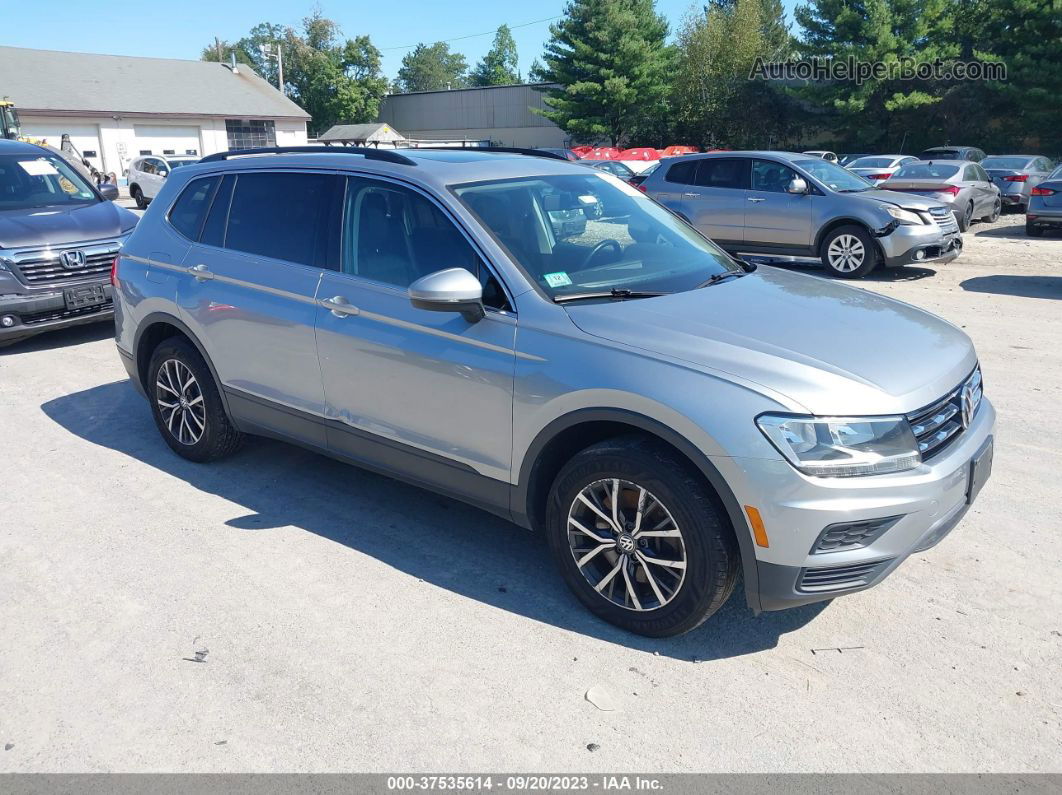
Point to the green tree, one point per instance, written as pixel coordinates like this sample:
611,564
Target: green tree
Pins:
432,68
609,59
331,78
499,66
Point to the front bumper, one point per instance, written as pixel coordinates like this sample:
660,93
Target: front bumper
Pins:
925,504
37,312
909,244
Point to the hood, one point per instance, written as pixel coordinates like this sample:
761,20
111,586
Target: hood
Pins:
830,348
902,199
42,226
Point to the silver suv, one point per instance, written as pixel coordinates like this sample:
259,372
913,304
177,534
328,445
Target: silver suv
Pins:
667,416
800,206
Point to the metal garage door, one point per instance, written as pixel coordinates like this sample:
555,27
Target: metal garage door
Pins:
166,139
86,137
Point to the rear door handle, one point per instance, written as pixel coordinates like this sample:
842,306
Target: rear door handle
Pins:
690,195
755,199
201,273
339,306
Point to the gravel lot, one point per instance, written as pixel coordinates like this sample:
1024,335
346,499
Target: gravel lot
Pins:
283,612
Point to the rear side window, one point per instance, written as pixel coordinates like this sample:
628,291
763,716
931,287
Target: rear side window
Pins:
279,214
682,173
190,209
724,172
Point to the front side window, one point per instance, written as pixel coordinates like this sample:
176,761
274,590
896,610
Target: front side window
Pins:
575,233
835,177
395,235
279,214
31,181
771,177
191,207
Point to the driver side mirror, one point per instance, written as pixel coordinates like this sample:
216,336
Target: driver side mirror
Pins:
797,185
108,190
163,172
450,290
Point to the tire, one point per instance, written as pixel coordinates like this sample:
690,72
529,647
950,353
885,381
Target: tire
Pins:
1032,230
678,500
138,196
198,434
964,220
849,252
997,210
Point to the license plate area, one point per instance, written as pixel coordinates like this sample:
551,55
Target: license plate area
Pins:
84,295
980,469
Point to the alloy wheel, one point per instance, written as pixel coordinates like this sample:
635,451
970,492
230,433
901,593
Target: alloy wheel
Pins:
180,402
846,253
626,544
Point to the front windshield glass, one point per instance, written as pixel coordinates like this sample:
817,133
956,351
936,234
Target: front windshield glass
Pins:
926,171
1013,163
32,181
575,233
871,162
835,177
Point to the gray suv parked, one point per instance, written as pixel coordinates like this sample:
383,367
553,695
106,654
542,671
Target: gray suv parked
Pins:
59,235
666,416
793,205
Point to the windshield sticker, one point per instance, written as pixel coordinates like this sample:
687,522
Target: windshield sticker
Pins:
558,279
37,168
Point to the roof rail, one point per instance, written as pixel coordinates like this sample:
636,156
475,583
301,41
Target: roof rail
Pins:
368,153
515,150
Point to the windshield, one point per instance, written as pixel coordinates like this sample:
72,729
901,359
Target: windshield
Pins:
1013,163
591,233
31,181
872,162
835,177
926,171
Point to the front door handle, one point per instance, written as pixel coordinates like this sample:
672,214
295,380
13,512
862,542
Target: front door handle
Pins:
755,199
339,306
201,273
690,195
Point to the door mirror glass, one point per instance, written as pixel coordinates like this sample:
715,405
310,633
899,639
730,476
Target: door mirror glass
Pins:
109,191
450,290
797,185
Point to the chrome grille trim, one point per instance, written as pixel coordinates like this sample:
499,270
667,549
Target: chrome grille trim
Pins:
937,425
42,266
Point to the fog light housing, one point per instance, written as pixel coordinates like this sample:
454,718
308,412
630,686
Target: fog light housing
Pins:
920,254
7,321
852,535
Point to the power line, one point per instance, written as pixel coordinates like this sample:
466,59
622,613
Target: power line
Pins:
475,35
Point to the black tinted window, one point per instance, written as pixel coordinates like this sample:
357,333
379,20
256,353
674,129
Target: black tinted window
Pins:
723,173
682,173
214,229
771,177
191,207
279,214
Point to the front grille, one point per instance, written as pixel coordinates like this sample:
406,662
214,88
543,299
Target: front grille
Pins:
45,267
838,578
940,423
945,219
63,314
852,535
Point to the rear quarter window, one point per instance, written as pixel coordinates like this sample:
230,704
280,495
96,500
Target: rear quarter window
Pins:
682,173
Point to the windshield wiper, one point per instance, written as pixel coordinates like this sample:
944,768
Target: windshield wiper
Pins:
614,293
715,278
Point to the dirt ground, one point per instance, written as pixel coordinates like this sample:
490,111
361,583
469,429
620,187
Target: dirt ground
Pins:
279,611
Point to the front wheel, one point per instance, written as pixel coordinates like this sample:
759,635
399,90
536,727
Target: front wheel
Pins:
849,252
639,538
138,196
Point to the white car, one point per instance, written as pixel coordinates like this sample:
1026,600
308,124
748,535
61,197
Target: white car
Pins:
878,168
820,153
146,175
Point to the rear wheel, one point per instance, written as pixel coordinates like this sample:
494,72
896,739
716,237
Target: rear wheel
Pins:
639,538
138,196
849,252
965,217
997,209
186,404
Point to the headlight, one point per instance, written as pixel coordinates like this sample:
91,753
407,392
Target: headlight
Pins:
840,447
904,216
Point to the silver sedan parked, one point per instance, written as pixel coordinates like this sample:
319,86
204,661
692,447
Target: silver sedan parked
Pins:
878,168
962,185
1016,176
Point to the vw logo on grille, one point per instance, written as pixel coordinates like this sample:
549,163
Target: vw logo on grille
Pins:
967,404
74,258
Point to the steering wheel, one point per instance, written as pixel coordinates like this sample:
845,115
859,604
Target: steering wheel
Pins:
604,244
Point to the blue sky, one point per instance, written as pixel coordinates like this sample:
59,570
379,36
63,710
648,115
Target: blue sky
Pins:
150,28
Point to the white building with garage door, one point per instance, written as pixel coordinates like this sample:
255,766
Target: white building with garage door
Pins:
116,108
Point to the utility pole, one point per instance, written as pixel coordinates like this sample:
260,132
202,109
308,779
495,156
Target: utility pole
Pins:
217,48
274,51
